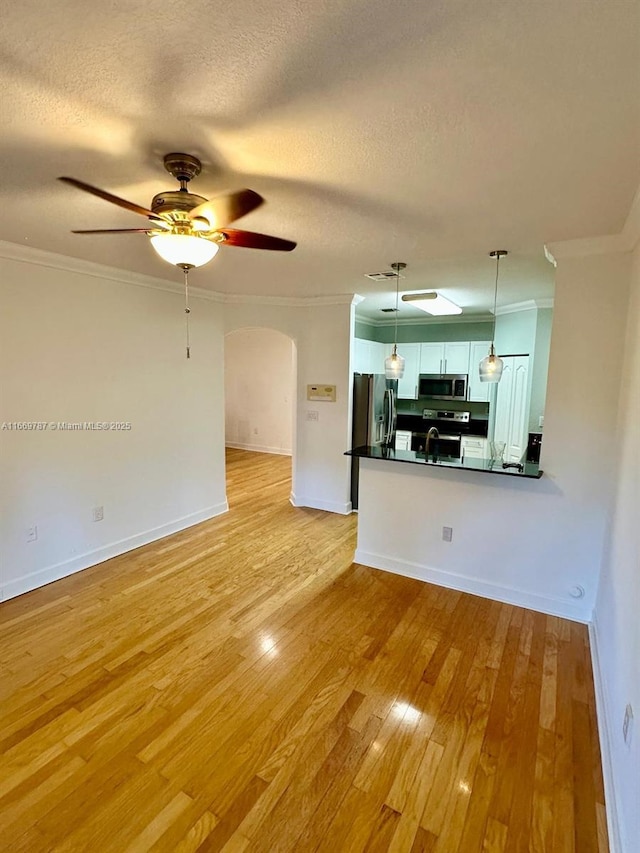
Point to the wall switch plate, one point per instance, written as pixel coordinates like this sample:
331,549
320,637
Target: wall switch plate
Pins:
313,416
32,533
98,513
447,534
541,421
627,725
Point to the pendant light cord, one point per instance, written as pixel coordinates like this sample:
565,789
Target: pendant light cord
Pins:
187,310
395,331
495,302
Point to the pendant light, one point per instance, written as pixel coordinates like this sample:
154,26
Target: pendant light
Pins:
491,365
394,363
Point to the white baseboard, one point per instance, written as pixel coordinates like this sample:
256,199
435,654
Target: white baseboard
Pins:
327,506
603,715
258,448
464,583
41,577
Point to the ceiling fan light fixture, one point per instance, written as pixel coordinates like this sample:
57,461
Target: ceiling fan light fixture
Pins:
432,303
184,250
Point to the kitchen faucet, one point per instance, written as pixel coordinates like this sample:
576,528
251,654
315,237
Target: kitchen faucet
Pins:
433,433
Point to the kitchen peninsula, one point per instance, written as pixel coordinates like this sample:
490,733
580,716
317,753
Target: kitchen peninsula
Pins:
529,470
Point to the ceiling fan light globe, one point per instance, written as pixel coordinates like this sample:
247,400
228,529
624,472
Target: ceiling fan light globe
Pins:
394,366
184,250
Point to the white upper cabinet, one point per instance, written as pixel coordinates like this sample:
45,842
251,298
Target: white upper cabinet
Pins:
431,358
408,385
452,357
368,356
456,357
477,391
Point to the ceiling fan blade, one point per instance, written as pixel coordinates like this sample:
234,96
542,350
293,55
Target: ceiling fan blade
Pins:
114,199
223,209
115,231
251,240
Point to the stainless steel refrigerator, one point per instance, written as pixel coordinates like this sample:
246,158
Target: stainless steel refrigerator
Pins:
374,417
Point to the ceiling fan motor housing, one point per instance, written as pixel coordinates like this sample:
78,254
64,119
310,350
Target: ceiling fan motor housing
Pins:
175,200
183,167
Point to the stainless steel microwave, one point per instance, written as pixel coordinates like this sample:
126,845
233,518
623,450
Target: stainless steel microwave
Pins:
443,386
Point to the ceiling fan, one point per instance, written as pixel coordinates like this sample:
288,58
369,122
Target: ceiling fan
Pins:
187,229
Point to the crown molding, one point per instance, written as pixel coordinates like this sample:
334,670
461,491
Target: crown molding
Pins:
52,260
583,247
429,321
527,305
609,244
291,301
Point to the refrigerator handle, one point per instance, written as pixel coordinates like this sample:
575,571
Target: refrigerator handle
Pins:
390,416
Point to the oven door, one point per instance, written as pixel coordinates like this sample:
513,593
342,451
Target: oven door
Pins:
447,444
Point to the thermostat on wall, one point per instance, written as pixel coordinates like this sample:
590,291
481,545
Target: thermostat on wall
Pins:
321,393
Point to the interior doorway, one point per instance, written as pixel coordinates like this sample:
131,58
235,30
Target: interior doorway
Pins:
260,392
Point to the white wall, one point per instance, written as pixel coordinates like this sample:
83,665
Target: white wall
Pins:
259,390
616,623
322,336
551,532
81,343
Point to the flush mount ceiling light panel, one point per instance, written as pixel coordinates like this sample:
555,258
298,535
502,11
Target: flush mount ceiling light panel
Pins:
432,303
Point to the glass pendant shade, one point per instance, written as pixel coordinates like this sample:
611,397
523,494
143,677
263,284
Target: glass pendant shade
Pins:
394,365
491,367
184,249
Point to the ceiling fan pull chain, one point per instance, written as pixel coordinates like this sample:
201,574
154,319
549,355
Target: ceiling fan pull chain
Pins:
187,310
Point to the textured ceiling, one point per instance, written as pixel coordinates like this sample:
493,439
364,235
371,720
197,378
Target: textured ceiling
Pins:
428,132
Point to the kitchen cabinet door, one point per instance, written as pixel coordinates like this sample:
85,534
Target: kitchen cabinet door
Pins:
452,357
403,440
477,391
475,447
378,354
408,385
456,357
431,358
360,355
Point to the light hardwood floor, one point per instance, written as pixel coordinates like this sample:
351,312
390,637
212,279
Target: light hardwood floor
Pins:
243,686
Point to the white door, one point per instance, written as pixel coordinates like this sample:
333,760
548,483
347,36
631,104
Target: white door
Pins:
517,445
512,407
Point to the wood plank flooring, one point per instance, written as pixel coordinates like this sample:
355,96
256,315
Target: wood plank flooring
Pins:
243,686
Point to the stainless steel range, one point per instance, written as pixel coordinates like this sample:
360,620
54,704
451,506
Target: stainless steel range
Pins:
451,426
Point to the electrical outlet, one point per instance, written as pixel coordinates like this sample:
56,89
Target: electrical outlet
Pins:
32,533
541,421
98,513
313,416
255,430
447,534
627,725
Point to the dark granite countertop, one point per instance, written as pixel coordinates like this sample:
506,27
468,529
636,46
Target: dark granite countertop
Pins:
530,470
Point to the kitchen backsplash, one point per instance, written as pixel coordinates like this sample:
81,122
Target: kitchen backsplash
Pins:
407,407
